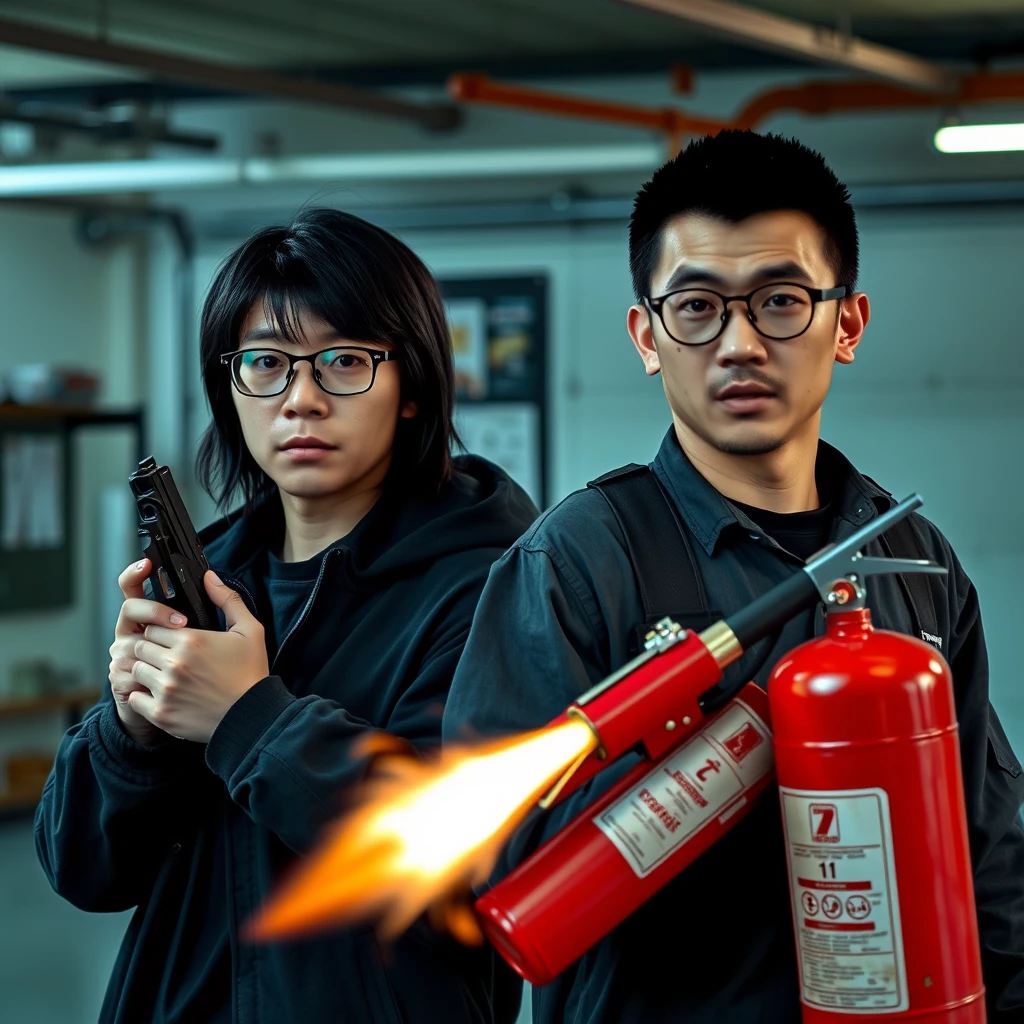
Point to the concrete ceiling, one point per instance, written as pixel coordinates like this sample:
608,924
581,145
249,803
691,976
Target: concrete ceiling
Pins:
403,38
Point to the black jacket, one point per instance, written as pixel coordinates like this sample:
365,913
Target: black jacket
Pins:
181,832
716,945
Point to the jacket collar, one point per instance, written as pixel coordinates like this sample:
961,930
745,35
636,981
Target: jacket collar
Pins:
233,543
707,513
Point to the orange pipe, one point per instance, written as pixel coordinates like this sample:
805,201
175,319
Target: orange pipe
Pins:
813,97
482,89
833,97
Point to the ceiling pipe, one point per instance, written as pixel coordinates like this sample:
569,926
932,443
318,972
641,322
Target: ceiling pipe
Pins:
765,31
476,88
811,97
103,128
434,116
818,97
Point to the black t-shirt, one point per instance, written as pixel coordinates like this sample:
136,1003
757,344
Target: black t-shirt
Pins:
800,533
287,587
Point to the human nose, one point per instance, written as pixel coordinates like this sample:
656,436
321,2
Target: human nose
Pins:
739,343
304,397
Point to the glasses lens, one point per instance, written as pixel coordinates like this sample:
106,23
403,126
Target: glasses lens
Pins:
782,310
693,316
259,371
345,371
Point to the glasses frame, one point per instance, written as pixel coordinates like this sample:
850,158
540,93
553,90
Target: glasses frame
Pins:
816,295
377,356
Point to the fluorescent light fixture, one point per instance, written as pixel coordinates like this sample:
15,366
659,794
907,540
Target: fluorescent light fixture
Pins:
159,175
114,176
980,138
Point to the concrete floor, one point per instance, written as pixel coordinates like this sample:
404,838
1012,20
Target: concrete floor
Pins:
54,959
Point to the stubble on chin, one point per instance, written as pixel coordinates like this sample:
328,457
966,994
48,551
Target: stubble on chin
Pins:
750,446
758,445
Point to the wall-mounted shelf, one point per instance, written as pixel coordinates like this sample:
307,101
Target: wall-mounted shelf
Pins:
73,701
71,704
73,416
37,566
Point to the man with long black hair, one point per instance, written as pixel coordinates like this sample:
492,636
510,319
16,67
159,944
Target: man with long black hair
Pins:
743,252
347,577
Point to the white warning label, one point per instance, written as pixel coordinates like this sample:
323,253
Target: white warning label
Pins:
845,904
704,779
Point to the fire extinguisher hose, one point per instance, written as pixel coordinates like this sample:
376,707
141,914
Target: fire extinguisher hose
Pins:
770,611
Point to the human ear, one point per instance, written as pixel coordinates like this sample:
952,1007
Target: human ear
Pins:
409,411
639,325
854,314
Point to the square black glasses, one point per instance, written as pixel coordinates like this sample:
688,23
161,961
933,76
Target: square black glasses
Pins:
780,311
341,370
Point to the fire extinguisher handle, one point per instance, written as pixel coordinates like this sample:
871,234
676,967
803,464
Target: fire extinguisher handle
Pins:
762,617
815,581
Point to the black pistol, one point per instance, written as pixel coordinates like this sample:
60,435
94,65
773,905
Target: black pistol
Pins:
172,546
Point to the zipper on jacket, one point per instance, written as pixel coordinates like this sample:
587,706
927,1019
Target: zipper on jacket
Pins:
305,610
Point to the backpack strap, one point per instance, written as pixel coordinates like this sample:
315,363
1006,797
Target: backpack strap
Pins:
658,546
903,540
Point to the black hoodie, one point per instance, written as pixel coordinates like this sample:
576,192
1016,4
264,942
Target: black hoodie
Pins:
195,837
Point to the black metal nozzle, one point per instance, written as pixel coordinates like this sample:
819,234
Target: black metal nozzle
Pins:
842,561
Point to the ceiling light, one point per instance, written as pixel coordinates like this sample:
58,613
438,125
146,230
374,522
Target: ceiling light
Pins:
980,138
170,175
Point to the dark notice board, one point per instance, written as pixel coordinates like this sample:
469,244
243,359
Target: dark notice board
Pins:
35,517
499,341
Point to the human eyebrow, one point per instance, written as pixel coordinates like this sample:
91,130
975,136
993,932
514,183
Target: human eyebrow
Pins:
683,277
790,270
340,341
261,333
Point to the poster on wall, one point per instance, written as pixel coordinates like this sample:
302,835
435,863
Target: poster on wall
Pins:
33,502
499,341
35,519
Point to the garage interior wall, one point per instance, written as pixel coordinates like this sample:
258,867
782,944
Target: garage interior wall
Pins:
933,403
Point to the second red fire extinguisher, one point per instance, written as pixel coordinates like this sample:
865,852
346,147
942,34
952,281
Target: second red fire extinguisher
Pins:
870,784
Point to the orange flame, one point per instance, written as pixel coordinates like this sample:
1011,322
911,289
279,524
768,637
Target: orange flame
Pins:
422,836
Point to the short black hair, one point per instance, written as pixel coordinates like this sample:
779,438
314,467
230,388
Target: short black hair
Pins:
734,175
368,286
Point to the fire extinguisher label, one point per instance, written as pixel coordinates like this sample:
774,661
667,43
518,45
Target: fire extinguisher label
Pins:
705,779
846,910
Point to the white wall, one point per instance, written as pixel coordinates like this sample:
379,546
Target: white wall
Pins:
65,304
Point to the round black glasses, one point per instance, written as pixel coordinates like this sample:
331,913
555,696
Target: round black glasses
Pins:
697,316
342,370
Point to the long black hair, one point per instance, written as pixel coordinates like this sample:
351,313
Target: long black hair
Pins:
368,286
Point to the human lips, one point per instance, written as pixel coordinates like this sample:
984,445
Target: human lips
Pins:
305,448
305,441
747,397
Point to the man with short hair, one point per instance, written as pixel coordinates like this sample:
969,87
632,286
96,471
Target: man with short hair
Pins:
743,253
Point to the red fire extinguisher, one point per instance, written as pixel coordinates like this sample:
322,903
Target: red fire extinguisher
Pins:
696,734
630,842
872,798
